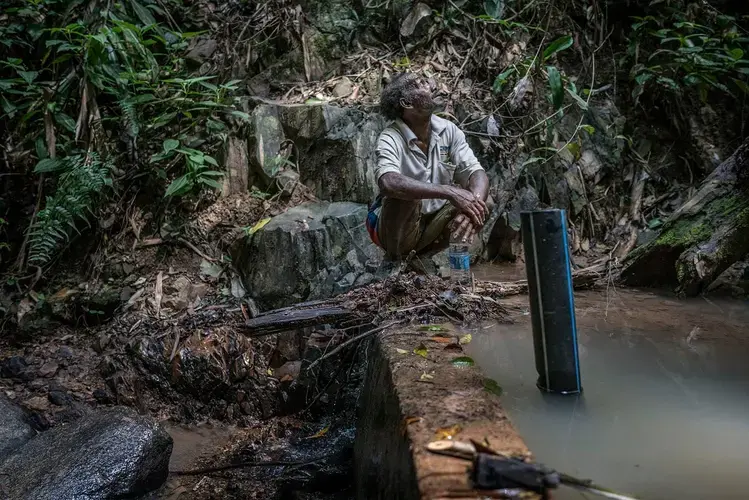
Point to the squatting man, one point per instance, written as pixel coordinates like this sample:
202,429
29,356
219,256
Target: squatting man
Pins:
433,190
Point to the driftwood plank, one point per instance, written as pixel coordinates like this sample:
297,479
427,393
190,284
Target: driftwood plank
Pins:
290,319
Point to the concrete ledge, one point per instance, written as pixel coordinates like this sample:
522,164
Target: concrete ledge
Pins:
399,414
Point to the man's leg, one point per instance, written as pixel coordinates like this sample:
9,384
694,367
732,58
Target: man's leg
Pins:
436,234
399,226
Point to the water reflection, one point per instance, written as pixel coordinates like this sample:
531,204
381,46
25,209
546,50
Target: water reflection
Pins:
664,412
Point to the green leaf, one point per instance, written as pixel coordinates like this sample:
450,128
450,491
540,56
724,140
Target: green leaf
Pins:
668,83
8,107
143,14
655,223
466,339
421,351
557,90
241,114
579,100
47,165
65,121
170,145
501,80
28,76
642,78
179,186
462,361
532,160
493,387
494,8
211,173
736,53
210,160
210,182
574,148
742,85
589,129
258,226
432,328
557,45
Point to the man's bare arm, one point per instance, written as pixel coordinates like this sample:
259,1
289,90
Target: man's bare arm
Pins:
399,186
478,184
463,227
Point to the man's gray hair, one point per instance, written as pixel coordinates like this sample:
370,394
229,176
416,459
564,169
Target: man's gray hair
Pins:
401,89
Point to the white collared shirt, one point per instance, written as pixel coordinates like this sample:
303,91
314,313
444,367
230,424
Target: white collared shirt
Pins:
449,159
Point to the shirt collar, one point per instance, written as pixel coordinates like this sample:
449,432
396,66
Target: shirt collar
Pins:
438,126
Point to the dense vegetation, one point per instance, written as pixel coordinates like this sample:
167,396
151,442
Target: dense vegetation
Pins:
102,104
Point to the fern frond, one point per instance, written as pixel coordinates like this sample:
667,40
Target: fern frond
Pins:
81,182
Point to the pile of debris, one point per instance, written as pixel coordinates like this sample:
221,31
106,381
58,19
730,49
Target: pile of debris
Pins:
406,298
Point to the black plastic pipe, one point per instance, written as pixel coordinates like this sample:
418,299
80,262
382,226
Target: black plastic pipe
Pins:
547,260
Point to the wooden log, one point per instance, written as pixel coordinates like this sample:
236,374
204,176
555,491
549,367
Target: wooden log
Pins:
703,237
291,319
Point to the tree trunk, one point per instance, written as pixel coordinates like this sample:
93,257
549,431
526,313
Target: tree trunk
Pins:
703,237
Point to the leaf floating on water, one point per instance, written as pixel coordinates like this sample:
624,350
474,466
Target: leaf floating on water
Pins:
432,328
448,432
421,351
320,434
466,339
442,340
257,227
463,361
411,420
454,347
493,387
401,351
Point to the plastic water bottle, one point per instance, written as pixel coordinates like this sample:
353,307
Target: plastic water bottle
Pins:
460,262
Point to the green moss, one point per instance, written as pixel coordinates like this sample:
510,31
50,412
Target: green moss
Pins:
685,233
689,232
325,47
725,206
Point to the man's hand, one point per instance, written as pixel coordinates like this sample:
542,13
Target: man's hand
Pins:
470,205
462,229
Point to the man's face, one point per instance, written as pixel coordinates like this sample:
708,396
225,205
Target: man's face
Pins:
421,103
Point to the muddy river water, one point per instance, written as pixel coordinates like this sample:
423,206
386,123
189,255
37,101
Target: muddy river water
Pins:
664,412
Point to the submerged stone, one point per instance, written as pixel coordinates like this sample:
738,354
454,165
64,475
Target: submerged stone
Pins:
14,429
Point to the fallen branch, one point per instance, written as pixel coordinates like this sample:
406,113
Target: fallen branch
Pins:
195,249
220,468
351,341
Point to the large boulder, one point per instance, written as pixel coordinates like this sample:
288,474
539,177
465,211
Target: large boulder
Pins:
14,429
315,250
334,148
114,453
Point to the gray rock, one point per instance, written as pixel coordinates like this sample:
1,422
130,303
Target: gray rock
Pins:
265,139
14,429
414,25
113,453
335,148
203,50
343,88
734,281
305,254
